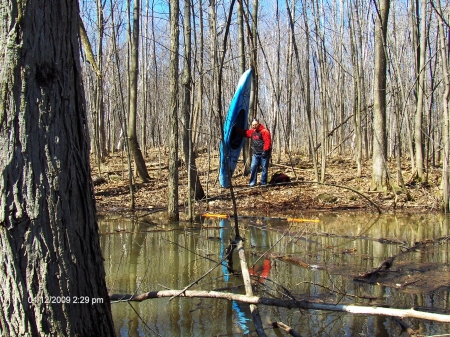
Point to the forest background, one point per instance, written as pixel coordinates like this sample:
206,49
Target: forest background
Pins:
365,81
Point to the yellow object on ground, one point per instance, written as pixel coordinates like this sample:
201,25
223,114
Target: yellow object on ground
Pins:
302,220
217,216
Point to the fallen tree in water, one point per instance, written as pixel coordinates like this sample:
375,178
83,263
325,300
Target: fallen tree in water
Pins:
300,304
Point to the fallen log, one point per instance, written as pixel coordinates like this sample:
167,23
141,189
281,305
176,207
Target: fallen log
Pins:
301,304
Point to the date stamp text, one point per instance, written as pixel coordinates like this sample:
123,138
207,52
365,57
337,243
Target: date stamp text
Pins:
65,300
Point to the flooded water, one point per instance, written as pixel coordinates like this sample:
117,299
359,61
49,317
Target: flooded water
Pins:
323,262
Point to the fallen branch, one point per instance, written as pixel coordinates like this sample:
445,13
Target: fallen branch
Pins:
288,329
385,265
303,304
248,289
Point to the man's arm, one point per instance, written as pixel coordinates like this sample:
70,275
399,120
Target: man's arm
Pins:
267,140
242,132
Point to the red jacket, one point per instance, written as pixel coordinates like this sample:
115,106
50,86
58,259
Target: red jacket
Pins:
255,135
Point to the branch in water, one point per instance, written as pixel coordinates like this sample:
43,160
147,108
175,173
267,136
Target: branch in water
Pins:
302,304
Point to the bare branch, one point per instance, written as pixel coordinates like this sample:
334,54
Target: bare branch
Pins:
301,304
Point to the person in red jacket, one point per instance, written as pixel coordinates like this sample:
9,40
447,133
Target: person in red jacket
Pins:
262,148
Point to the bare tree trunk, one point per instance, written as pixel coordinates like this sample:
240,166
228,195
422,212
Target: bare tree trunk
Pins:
430,143
50,249
139,161
277,91
320,49
99,102
198,111
122,113
289,86
362,101
214,91
380,180
446,108
156,80
418,121
172,203
194,185
253,105
253,108
357,83
306,87
145,83
341,78
246,150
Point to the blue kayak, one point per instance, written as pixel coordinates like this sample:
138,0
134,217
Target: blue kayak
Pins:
231,146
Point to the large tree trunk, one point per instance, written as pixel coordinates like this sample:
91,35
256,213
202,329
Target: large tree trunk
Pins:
379,168
172,203
50,260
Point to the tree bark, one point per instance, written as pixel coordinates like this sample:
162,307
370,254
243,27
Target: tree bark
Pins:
50,256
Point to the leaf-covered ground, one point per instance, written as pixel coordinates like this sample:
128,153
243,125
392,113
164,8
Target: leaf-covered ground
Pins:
341,190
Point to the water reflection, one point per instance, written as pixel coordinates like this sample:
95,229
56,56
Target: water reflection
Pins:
144,254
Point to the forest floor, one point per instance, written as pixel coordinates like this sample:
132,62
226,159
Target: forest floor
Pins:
342,190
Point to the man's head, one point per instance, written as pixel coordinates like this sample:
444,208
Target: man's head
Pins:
255,124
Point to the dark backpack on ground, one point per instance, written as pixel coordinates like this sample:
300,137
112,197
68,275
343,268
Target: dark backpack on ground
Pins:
279,177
